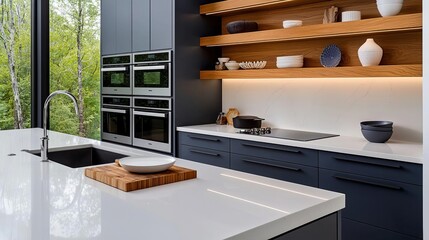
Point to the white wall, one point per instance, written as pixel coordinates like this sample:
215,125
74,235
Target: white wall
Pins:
426,119
330,105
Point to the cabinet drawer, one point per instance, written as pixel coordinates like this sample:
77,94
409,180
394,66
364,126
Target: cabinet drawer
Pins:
204,155
387,204
357,231
277,152
372,167
204,141
276,169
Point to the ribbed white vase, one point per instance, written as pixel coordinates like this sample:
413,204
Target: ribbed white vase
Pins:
370,53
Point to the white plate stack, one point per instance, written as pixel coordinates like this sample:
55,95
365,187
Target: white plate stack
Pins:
296,61
292,23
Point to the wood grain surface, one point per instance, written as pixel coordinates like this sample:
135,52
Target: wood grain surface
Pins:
117,177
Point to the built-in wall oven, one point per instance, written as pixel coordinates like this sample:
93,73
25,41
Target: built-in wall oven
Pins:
152,123
117,119
152,74
116,74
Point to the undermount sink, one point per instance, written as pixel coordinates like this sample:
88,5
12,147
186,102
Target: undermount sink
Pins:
81,157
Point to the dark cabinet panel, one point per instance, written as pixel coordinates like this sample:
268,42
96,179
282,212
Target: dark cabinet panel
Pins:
353,230
277,152
276,169
161,33
379,202
204,141
141,25
372,167
204,155
115,26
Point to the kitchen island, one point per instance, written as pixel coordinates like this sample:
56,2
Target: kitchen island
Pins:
51,201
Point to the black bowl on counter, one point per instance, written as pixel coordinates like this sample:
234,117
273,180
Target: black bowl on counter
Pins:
247,122
381,129
377,136
241,26
377,124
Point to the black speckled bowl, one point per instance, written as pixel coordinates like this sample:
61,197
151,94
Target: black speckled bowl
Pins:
241,26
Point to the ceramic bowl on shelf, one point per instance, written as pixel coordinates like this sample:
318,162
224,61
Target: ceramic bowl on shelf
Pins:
388,8
292,23
232,65
223,59
253,65
331,56
290,64
349,16
290,58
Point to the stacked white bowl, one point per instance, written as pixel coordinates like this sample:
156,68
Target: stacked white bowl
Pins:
349,16
296,61
292,23
389,7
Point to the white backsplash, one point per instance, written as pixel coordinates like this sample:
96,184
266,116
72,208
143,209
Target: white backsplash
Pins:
330,105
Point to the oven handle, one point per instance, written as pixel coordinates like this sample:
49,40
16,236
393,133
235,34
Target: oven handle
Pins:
113,110
117,69
161,67
150,114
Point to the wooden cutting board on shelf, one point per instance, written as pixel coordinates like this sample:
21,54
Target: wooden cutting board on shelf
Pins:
117,177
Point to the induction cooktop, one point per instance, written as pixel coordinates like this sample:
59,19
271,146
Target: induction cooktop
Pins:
287,134
297,135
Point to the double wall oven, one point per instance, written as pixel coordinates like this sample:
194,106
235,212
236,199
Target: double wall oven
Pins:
138,108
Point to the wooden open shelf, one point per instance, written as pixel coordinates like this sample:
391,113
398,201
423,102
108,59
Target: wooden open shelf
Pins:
239,6
414,70
400,23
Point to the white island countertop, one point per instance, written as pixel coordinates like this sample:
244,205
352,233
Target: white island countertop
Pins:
392,150
52,201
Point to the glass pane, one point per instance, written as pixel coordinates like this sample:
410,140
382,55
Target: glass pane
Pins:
15,64
75,65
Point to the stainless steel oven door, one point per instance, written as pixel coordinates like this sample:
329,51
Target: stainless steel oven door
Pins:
152,130
116,124
152,79
116,80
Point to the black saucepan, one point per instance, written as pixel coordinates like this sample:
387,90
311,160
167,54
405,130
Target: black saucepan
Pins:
247,122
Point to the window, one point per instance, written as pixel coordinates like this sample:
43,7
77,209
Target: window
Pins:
75,65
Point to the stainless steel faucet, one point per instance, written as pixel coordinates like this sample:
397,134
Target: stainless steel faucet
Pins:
44,145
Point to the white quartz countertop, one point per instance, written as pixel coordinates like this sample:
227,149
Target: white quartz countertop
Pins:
392,150
51,201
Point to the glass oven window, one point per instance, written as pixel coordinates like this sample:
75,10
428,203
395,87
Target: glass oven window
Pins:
151,78
116,79
116,123
151,128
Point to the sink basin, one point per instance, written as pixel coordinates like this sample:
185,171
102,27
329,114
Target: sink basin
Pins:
81,157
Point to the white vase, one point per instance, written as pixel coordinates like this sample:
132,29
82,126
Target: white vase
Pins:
370,53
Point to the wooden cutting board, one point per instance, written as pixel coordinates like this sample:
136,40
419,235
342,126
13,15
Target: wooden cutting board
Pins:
117,177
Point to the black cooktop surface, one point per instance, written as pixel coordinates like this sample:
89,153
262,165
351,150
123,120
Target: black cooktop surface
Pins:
297,135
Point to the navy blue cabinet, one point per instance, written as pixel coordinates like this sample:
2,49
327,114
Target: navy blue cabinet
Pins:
276,169
380,193
204,149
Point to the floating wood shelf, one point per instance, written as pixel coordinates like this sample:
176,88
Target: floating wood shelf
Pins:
238,6
400,23
319,72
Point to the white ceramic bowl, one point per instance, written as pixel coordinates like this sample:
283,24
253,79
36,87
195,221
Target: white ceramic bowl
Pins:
390,1
147,164
290,65
389,9
290,58
223,59
232,65
292,23
253,65
349,16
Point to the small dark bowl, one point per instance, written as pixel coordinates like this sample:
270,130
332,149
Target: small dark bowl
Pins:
381,129
376,136
241,26
383,124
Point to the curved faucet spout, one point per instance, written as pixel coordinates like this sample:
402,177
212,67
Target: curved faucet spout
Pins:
44,146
